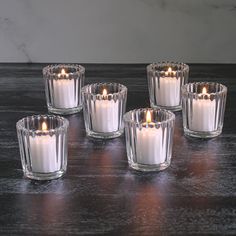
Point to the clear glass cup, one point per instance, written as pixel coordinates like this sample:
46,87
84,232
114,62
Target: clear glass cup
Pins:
149,138
104,105
165,80
43,146
203,109
63,83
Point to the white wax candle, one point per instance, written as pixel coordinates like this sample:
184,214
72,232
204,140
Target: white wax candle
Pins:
65,91
169,92
105,116
43,154
203,115
150,146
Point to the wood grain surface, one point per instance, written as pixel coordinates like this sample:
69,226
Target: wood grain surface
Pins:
99,193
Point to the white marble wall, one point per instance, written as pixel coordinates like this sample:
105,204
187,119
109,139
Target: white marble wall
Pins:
111,31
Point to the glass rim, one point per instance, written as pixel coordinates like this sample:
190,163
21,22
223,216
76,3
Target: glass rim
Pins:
127,119
78,69
184,88
152,66
20,126
122,91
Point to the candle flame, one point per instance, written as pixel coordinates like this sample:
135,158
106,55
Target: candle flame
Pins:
44,126
63,72
148,117
169,72
104,92
204,90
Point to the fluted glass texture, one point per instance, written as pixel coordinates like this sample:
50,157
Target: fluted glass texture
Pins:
63,83
164,83
104,105
149,144
203,108
43,146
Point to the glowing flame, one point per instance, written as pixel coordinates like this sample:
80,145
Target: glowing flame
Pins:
63,72
148,117
104,92
44,126
204,90
169,72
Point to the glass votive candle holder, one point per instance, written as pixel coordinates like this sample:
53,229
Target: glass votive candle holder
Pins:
149,138
104,105
203,109
63,83
165,80
43,146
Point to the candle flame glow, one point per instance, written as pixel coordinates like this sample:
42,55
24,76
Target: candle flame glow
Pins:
44,126
104,92
204,90
63,72
148,117
169,72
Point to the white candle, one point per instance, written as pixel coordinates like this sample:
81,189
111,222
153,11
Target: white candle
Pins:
105,115
203,113
150,145
65,91
168,94
43,153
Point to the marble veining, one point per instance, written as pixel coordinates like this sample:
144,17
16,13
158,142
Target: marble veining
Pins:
11,31
138,31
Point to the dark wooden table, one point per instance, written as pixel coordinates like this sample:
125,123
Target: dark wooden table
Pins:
100,194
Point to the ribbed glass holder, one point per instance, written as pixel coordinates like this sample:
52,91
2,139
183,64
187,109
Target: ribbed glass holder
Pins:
165,80
203,109
149,144
63,85
43,146
104,105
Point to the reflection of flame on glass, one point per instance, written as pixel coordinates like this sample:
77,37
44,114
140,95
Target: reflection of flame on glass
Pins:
148,117
44,126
